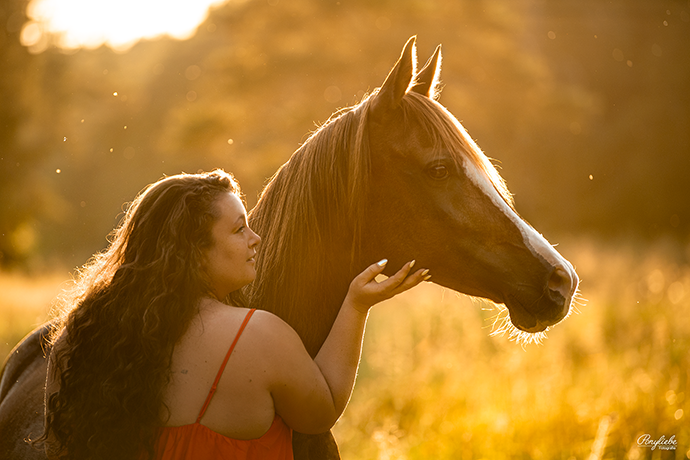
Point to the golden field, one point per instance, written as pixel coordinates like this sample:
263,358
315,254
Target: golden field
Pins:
434,384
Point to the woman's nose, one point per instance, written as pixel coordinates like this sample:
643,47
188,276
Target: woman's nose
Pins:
256,240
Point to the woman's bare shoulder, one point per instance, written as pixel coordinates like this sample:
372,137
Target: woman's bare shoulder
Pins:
272,341
271,330
263,328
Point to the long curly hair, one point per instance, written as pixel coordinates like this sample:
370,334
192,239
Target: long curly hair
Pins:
131,304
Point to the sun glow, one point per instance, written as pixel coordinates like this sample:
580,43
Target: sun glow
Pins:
72,24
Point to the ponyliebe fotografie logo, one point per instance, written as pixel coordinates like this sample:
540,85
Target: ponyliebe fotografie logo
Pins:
662,443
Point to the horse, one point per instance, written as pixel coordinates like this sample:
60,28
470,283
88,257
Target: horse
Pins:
395,176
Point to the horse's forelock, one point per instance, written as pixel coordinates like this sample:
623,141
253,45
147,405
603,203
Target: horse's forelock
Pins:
448,135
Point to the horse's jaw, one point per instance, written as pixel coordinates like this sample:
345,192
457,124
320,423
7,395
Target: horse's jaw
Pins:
531,308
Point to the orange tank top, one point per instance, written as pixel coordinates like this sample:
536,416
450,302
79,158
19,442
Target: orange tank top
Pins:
198,442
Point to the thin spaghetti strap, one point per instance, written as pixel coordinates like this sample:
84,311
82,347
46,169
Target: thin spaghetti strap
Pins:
222,366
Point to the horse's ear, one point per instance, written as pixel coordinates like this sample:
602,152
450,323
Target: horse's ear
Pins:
399,79
427,80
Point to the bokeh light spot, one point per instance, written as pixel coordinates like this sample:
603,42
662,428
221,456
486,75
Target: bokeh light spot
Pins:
676,292
192,72
24,238
671,397
383,23
656,281
332,94
31,34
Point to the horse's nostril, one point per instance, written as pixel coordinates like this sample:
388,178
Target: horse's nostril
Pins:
561,282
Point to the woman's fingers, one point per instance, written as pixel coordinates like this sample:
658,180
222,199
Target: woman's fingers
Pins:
372,271
398,278
365,290
402,280
412,280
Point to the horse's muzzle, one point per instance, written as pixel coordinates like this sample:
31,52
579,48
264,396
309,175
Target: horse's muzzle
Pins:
551,307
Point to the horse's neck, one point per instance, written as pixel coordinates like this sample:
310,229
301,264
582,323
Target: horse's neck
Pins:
311,303
305,267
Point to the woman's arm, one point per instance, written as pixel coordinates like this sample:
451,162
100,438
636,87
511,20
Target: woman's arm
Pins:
310,395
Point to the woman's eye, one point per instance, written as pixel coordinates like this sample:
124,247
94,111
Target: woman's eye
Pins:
241,229
438,172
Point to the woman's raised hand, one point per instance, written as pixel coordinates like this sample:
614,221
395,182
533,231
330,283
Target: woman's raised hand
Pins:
366,292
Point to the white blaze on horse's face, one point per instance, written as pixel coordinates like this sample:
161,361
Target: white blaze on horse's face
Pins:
459,224
563,279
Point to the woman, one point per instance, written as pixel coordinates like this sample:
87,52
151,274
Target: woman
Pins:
157,357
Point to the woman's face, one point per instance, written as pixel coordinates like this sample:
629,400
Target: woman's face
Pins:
230,259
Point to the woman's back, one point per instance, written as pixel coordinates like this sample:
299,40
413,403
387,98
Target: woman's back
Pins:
235,429
242,406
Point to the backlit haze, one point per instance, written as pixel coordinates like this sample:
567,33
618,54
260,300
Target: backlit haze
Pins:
72,24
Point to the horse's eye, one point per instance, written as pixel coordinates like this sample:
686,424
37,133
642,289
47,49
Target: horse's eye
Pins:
438,172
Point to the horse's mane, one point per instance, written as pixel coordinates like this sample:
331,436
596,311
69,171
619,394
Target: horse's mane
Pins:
315,203
315,200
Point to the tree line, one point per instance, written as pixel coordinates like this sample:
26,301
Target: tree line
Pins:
584,105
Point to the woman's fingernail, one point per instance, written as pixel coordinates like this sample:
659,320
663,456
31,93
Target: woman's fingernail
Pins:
425,272
412,263
382,262
426,277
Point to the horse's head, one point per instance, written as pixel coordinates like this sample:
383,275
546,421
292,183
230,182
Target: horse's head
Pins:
435,197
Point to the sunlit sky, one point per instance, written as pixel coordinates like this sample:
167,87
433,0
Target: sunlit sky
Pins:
117,23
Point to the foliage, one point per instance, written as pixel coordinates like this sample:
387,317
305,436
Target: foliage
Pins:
585,104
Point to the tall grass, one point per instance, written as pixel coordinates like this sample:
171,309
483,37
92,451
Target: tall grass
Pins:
25,303
434,384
